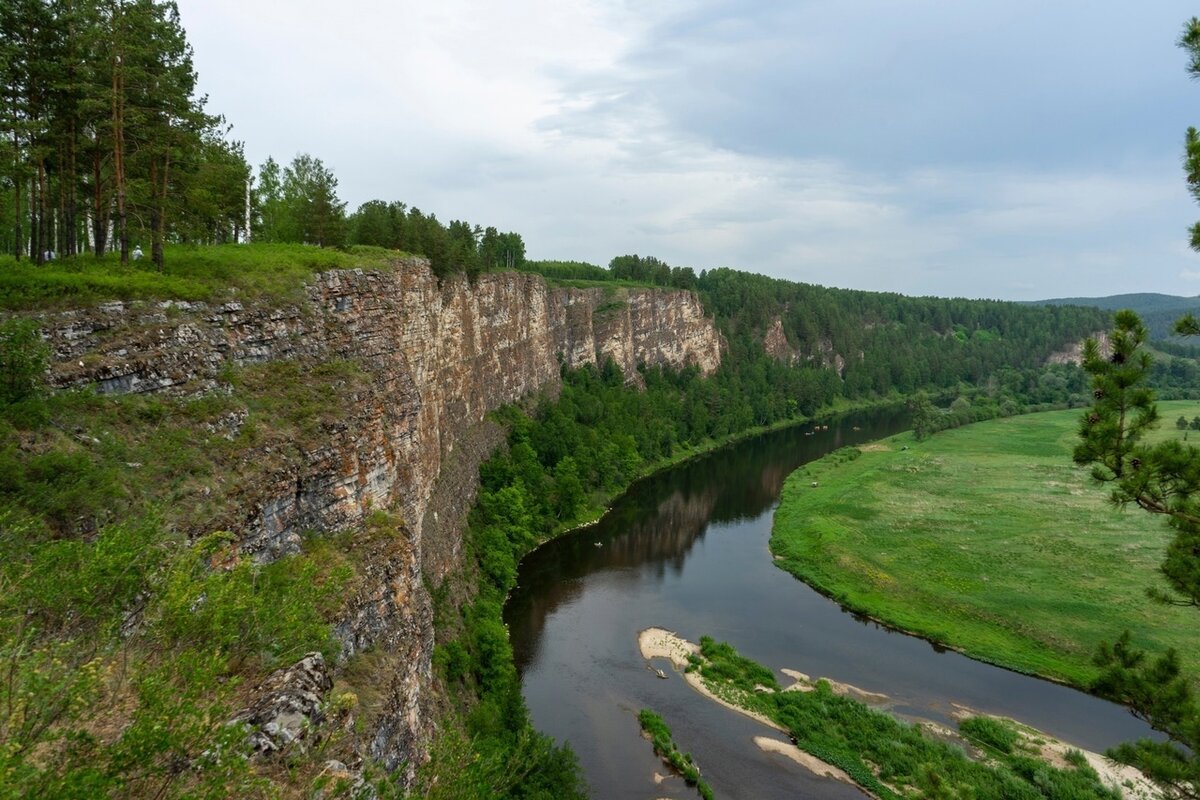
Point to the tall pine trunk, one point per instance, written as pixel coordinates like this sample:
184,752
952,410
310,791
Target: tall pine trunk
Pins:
100,206
118,116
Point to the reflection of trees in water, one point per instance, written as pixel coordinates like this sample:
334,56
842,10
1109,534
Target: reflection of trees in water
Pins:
658,537
664,537
656,524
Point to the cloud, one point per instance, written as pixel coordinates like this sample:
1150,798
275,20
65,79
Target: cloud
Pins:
1011,149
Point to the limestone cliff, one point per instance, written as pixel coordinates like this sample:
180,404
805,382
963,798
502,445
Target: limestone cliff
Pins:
1073,353
822,353
438,359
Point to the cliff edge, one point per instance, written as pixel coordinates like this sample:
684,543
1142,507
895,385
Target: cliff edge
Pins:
409,438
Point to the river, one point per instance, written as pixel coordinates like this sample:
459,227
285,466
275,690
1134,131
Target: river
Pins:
687,550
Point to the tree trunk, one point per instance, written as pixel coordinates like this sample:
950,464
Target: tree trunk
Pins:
70,212
18,228
118,116
47,216
158,211
36,251
99,208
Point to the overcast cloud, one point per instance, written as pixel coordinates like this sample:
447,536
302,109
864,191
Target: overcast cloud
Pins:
1012,149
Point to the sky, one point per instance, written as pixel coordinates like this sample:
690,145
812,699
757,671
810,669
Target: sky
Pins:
1017,149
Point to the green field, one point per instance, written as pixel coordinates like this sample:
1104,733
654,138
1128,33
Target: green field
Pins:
988,539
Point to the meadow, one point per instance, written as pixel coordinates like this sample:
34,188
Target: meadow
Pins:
987,539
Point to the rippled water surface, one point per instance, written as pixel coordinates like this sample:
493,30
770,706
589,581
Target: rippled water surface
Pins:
687,550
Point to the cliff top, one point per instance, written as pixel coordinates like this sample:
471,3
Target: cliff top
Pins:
209,273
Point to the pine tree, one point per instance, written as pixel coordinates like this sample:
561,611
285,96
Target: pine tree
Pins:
1162,479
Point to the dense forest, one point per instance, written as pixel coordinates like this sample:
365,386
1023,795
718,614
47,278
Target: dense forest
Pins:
103,138
1157,311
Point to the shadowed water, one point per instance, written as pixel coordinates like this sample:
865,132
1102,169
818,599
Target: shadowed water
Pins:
687,550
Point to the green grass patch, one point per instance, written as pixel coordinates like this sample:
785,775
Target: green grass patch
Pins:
207,273
988,539
665,747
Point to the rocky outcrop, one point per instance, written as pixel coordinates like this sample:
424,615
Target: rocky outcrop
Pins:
1073,354
777,346
436,360
287,706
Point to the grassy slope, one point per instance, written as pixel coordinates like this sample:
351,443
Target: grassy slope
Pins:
989,539
209,273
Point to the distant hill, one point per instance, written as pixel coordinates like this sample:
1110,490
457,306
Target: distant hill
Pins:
1158,311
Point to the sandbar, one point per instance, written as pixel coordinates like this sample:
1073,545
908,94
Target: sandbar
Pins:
1127,780
660,643
809,762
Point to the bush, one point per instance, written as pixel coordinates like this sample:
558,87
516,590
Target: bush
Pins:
215,599
990,732
23,357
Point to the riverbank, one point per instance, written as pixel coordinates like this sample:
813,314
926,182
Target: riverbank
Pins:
600,506
986,539
841,738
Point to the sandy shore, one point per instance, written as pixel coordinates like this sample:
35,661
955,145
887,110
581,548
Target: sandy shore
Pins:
812,763
803,683
660,643
1131,783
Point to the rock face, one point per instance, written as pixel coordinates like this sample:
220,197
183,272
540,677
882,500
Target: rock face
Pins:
1074,353
776,345
288,705
438,358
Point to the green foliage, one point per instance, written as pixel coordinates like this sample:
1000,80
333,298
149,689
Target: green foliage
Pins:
121,643
722,663
103,126
275,613
455,249
212,273
106,572
297,401
924,415
567,270
1124,408
990,732
300,204
1163,478
664,745
23,357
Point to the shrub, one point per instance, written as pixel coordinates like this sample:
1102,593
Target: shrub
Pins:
990,732
22,360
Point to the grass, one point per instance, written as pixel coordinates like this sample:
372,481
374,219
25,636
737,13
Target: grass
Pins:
207,273
665,746
987,539
893,759
129,625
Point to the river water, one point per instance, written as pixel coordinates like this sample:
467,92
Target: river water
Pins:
687,550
